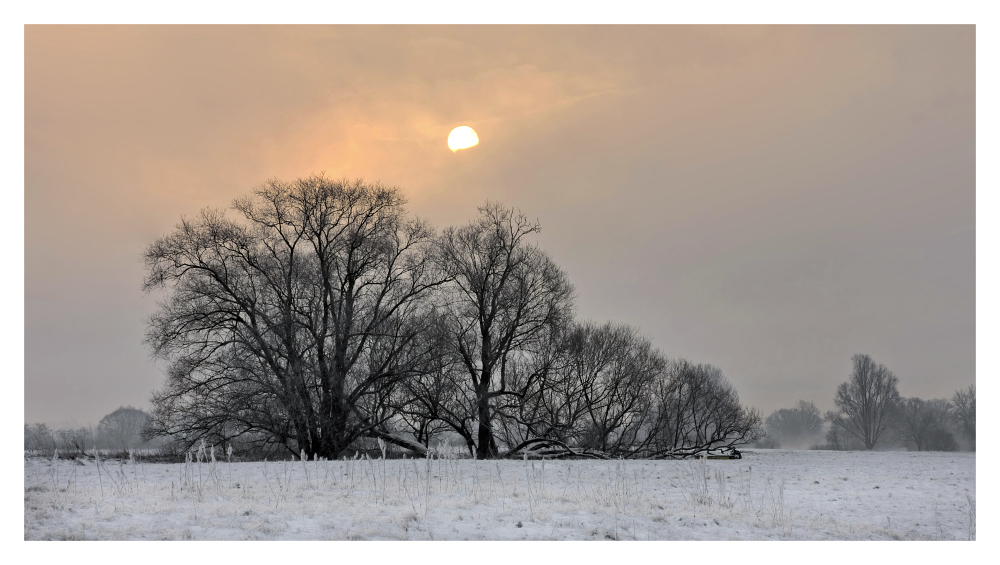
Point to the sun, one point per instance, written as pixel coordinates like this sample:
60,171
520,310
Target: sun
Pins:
462,137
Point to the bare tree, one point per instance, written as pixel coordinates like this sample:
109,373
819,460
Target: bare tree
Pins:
430,402
835,435
614,369
838,439
924,423
295,323
551,405
123,429
799,426
77,440
964,413
697,411
866,403
504,295
591,393
609,393
39,437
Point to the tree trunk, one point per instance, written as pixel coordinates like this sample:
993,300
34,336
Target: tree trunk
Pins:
333,431
487,447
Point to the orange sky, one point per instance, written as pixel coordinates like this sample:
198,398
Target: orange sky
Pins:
770,200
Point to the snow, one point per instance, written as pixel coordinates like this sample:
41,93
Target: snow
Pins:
767,495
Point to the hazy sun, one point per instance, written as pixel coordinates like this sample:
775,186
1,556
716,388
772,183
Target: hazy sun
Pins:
462,137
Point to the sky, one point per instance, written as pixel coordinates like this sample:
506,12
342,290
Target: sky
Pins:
769,200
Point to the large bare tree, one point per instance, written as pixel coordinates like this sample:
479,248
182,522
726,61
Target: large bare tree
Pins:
504,295
294,322
866,403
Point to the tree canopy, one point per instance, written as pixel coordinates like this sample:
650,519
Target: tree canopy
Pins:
317,314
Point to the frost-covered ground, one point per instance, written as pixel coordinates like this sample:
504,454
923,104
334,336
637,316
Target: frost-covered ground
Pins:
769,494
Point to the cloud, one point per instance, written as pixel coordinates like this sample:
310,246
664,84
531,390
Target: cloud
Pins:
658,159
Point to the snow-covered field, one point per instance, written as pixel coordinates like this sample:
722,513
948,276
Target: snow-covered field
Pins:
769,494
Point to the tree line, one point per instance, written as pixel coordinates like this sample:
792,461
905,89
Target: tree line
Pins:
119,432
870,412
324,316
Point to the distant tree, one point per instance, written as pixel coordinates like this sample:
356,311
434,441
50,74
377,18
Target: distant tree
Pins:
964,413
941,439
76,440
838,439
123,429
925,424
834,435
799,426
39,437
866,403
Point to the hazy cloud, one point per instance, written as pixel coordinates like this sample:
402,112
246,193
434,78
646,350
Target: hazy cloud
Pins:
767,199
